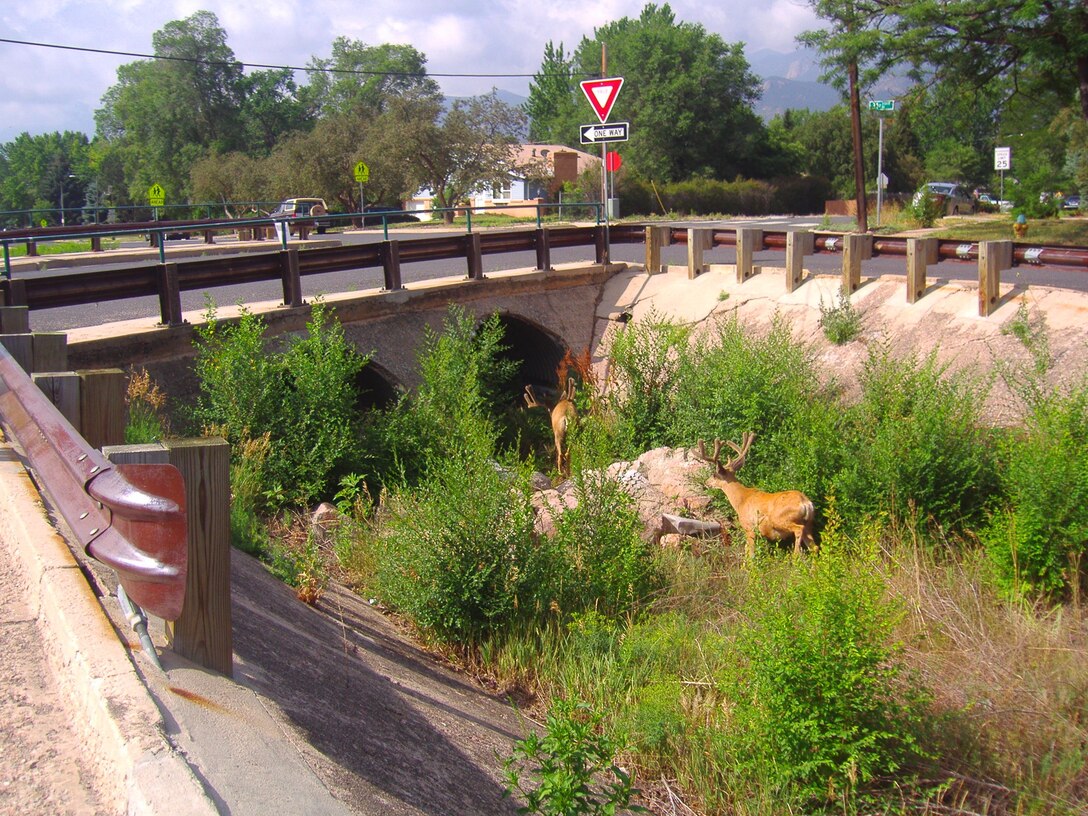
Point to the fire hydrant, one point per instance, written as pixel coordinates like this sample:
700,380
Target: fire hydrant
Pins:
1020,226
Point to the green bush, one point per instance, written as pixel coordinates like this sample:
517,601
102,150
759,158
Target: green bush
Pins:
606,564
821,705
571,770
1040,538
924,208
840,322
303,398
918,447
646,359
457,555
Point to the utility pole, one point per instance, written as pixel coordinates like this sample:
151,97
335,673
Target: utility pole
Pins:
859,160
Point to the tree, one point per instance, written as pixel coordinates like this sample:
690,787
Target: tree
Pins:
232,180
471,147
974,42
271,110
162,115
365,77
687,94
37,172
553,96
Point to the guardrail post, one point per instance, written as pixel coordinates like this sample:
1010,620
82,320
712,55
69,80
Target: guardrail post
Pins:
209,237
96,243
14,320
32,249
601,242
169,295
292,283
21,348
748,241
798,244
543,247
656,238
203,631
857,247
921,253
475,256
699,240
390,255
102,406
62,388
993,257
43,351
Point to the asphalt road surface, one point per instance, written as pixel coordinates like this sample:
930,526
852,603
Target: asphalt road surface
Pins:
313,286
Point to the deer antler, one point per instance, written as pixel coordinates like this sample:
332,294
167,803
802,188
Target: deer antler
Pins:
742,451
568,394
530,398
715,460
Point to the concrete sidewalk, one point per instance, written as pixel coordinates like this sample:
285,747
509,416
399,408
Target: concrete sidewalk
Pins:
331,710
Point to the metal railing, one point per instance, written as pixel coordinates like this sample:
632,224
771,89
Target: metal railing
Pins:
130,517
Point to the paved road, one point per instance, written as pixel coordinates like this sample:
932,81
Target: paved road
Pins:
360,280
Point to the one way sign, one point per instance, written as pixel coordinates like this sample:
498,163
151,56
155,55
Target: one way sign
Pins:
599,134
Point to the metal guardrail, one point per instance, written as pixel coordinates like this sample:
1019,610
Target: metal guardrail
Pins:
129,517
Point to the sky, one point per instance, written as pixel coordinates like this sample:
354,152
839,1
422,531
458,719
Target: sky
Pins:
45,89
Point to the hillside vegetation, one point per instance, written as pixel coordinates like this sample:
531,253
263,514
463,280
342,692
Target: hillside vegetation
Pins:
929,658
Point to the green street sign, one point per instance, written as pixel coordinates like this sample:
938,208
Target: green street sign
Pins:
882,105
156,195
362,173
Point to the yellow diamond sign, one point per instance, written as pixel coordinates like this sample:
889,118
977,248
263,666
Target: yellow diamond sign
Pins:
362,173
156,195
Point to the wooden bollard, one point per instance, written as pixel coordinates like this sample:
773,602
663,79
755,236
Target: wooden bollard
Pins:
993,258
102,406
857,247
203,632
62,388
14,320
699,240
921,253
748,242
656,238
799,243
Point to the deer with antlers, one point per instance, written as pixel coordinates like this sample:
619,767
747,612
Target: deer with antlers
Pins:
775,516
564,415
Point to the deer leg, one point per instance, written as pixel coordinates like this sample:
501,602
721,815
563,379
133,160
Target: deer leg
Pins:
750,546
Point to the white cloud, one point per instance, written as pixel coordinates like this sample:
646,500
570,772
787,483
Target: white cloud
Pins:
48,89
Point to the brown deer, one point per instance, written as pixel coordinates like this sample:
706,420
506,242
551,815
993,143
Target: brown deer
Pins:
564,415
775,516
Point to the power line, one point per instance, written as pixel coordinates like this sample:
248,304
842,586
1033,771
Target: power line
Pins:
307,69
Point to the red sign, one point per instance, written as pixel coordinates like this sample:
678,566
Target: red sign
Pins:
602,94
612,161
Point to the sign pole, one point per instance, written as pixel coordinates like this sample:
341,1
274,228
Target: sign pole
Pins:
880,170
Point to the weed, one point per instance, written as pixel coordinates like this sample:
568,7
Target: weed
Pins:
558,774
147,421
841,321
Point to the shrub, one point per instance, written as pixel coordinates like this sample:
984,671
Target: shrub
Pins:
841,322
457,555
924,207
146,404
1039,539
821,706
303,399
564,767
646,359
606,566
918,447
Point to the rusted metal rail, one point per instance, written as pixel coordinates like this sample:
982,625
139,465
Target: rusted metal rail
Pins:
129,517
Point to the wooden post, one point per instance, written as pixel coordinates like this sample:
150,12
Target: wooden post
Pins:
292,283
203,632
169,293
799,243
21,348
857,247
102,406
699,240
50,351
748,241
475,256
542,241
993,257
62,389
921,252
390,255
656,238
14,320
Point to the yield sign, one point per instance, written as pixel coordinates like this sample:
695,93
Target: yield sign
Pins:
602,94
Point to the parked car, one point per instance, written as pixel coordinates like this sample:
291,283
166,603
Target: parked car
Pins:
1071,202
950,197
303,208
